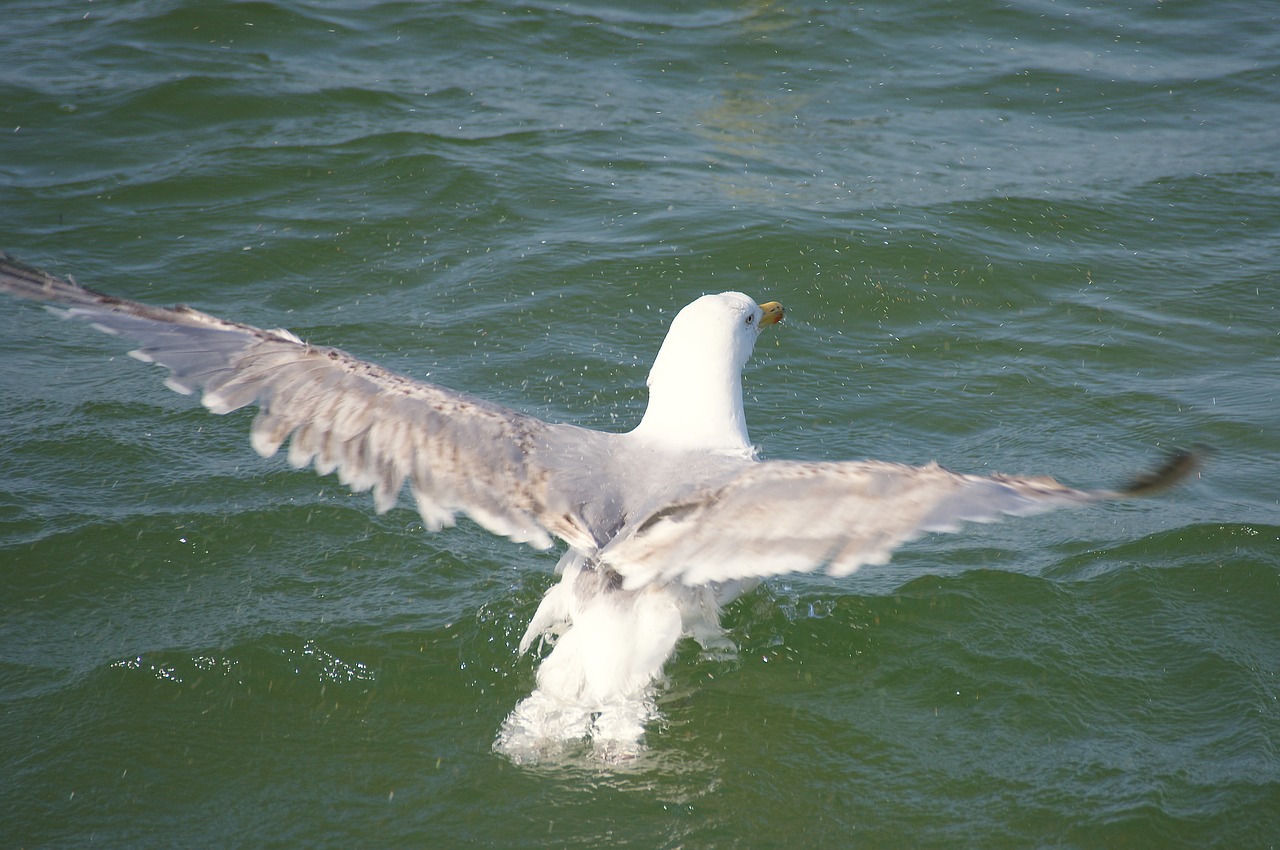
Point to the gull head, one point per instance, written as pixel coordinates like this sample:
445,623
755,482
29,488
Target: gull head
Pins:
695,385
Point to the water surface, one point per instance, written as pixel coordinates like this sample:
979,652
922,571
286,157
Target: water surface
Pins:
1034,238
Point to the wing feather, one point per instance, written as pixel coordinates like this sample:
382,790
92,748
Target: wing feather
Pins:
375,428
781,516
692,519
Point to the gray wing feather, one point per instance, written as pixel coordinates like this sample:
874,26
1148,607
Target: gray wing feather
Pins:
778,517
692,520
375,428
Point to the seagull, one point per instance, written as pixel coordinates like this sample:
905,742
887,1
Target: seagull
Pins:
662,525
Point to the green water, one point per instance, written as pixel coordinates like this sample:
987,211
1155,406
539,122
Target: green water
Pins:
1039,237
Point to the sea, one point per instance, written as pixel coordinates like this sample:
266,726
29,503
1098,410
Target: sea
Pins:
1029,237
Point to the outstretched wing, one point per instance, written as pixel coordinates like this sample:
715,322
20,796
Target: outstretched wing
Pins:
781,516
376,428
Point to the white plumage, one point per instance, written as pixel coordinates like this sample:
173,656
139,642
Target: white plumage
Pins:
664,524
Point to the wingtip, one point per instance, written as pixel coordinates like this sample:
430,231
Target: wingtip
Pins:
1175,468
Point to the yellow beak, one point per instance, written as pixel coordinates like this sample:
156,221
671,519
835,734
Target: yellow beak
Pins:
773,313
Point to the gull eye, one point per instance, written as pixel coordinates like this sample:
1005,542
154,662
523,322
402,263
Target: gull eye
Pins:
751,320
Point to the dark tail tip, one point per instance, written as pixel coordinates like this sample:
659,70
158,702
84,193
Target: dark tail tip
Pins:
1175,468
